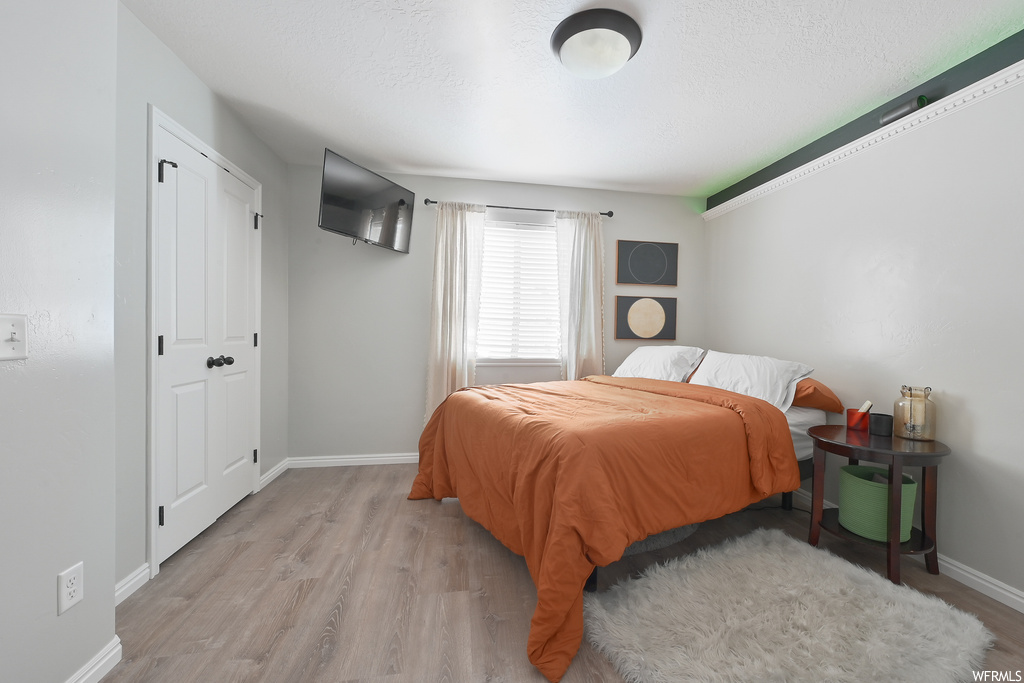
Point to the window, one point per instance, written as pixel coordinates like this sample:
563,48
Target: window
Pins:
541,312
519,315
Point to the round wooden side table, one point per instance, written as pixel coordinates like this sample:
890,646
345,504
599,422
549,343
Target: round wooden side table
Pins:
896,453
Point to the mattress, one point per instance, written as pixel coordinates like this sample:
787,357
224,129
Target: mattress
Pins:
800,420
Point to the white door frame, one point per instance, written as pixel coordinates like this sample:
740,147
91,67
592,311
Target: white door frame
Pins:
157,120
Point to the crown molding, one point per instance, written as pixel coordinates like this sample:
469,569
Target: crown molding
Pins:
983,89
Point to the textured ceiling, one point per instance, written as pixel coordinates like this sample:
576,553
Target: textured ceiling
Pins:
470,88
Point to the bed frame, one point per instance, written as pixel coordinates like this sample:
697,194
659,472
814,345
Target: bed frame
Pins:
667,538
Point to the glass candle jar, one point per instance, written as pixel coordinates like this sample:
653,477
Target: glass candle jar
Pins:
913,414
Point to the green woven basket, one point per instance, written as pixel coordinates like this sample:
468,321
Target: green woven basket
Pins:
864,504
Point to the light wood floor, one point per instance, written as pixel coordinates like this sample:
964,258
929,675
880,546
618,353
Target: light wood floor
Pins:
332,575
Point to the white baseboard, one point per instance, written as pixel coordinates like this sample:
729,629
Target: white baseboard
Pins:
100,665
805,498
337,461
972,578
274,472
348,460
131,583
984,584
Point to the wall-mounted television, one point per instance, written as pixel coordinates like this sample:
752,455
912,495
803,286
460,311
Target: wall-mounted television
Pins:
362,205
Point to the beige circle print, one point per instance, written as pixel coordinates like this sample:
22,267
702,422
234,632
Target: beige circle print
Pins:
646,318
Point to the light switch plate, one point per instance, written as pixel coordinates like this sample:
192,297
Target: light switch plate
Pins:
13,337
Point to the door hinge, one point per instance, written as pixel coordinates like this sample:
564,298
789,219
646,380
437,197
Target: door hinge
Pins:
255,338
254,456
160,345
256,220
160,515
160,171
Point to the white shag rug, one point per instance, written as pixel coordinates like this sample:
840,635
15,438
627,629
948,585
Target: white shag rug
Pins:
767,607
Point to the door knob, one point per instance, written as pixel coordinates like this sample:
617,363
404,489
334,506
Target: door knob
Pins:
211,361
229,360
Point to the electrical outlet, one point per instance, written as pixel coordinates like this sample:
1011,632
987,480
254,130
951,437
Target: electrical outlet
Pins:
70,588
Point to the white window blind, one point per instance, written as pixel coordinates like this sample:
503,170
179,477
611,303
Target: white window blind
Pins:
519,293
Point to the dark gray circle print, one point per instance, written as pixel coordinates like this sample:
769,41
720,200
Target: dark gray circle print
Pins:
647,263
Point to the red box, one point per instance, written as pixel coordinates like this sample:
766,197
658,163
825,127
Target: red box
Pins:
857,420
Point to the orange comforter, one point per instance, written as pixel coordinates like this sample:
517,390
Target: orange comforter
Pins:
568,474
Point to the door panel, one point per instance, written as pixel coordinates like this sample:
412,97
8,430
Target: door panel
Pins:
237,423
237,212
189,448
189,244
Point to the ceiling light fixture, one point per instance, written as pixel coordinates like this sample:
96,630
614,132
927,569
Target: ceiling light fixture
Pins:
596,43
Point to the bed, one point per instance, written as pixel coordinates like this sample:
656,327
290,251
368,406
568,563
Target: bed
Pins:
800,419
570,474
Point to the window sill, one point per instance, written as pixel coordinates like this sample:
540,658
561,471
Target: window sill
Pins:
518,362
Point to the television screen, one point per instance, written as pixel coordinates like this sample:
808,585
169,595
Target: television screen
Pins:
364,206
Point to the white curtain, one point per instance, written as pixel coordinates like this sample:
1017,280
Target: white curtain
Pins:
581,241
454,305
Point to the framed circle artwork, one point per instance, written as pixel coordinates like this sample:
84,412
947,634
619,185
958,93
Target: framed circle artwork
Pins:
645,317
647,263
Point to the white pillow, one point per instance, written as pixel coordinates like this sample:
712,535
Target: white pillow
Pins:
770,379
673,363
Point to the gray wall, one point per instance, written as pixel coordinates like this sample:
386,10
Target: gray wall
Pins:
148,72
56,266
359,314
896,266
902,265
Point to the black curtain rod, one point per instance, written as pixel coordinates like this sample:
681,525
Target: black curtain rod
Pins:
428,202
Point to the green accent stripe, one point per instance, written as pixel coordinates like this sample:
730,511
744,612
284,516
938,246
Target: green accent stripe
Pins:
982,65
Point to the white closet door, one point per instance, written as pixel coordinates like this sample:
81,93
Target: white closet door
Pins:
204,306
